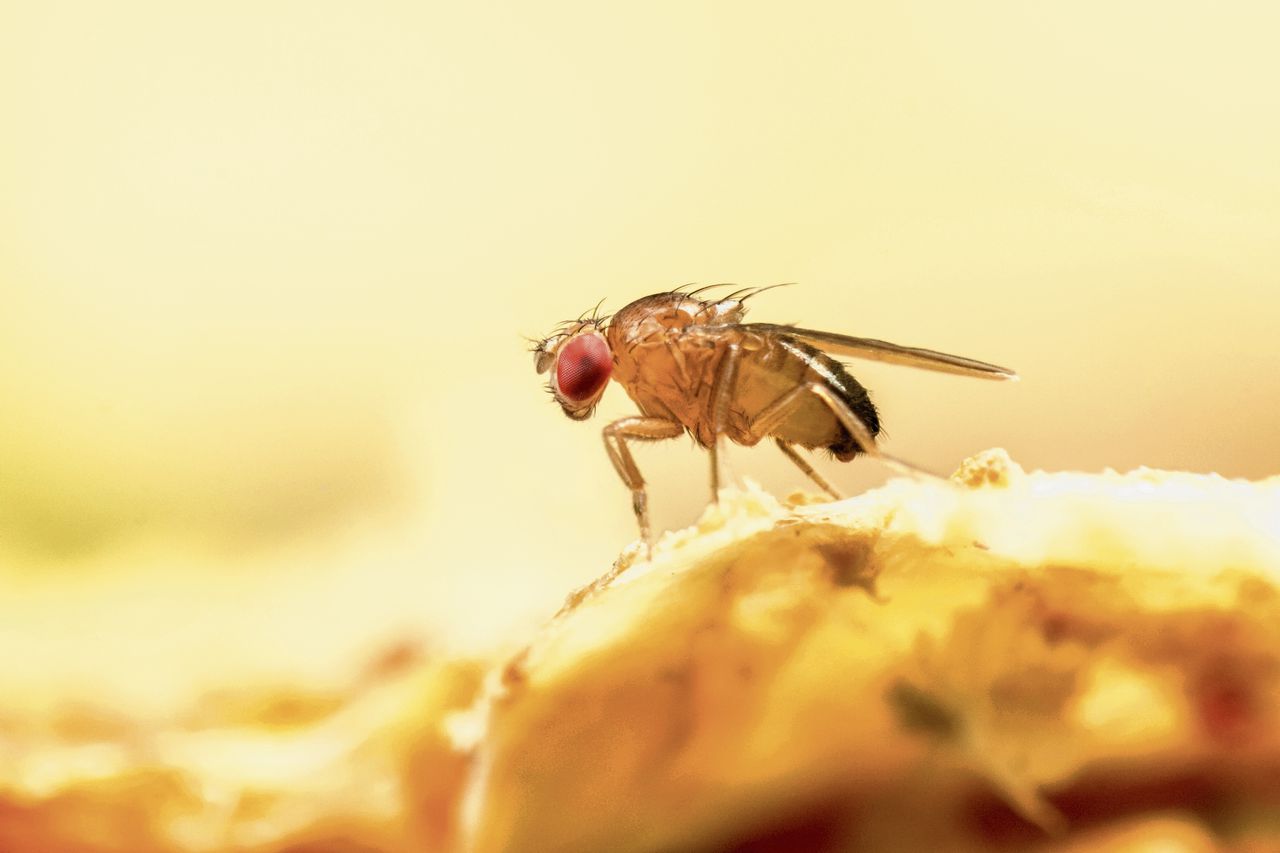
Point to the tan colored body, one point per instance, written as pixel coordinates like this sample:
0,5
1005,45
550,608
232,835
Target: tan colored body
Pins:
669,348
692,366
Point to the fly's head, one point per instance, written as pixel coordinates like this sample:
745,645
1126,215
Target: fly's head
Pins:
579,363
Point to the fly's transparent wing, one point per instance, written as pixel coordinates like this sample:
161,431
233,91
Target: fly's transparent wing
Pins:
869,348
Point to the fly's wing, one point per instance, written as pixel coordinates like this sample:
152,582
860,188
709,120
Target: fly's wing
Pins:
869,348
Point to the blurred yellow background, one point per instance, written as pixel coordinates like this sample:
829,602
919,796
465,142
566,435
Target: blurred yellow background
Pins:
265,269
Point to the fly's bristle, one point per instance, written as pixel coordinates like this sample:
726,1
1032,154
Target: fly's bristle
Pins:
707,287
760,290
593,313
746,293
596,318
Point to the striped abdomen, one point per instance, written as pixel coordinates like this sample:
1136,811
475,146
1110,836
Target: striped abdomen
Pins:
783,363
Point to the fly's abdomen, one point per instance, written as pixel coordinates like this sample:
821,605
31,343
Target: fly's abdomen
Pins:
853,395
784,364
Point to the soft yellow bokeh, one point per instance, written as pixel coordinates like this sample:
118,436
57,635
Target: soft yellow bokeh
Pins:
265,268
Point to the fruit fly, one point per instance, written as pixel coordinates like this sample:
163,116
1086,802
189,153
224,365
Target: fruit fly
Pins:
691,365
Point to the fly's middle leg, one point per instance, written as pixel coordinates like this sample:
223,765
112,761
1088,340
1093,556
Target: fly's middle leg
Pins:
774,414
721,394
616,436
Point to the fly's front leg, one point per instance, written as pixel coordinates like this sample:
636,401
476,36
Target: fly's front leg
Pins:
616,435
721,394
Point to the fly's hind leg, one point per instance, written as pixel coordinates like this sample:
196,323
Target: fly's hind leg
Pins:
789,450
616,436
778,411
865,440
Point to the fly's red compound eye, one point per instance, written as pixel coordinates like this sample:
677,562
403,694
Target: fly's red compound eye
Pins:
583,367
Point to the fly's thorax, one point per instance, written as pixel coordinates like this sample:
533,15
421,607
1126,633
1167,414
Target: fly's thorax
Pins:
646,364
664,312
669,374
667,349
